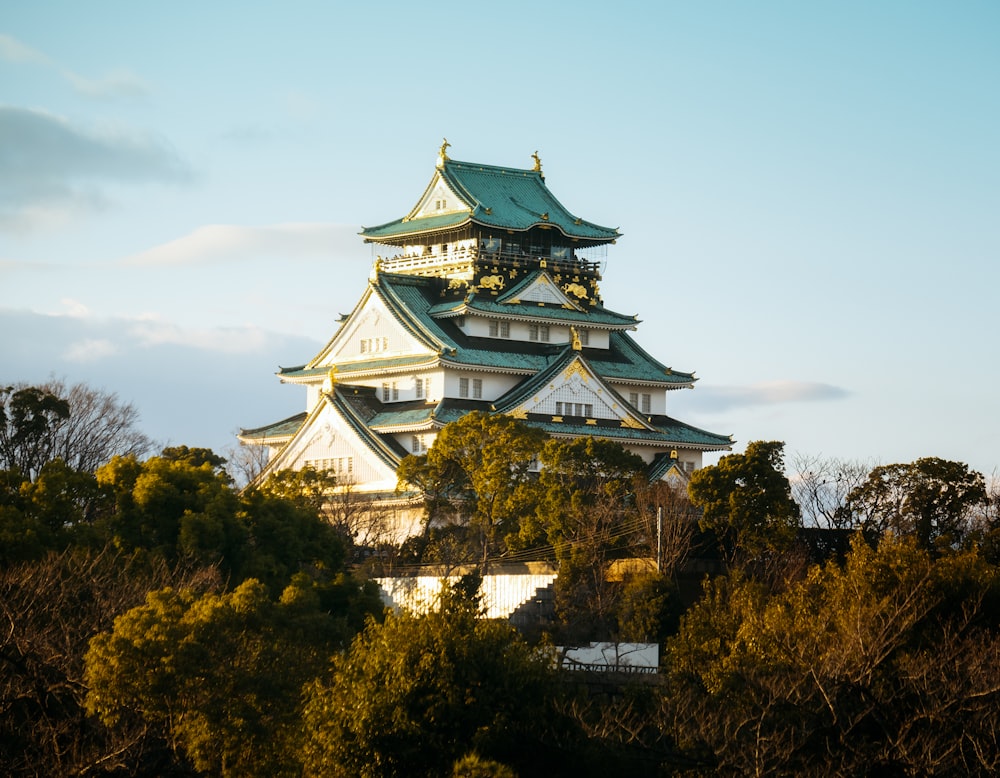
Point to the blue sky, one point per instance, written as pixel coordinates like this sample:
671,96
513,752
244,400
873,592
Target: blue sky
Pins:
809,195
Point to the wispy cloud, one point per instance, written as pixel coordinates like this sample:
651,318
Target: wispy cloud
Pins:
120,82
155,371
228,340
12,50
50,164
227,242
90,350
726,398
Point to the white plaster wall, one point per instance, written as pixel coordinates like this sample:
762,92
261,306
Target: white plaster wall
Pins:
494,386
657,397
502,594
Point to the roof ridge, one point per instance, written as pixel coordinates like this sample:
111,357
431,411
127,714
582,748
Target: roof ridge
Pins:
370,438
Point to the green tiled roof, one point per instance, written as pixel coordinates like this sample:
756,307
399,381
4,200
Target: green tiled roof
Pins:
383,446
660,467
594,317
278,429
500,197
399,417
365,366
669,433
529,386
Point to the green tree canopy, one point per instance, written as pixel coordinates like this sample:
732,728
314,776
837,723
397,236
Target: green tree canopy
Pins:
417,692
28,420
746,500
478,468
223,672
890,662
931,499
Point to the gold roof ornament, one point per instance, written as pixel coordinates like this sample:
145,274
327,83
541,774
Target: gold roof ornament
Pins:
538,162
443,153
331,380
577,345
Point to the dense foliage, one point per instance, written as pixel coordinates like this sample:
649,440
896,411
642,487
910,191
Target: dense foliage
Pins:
158,621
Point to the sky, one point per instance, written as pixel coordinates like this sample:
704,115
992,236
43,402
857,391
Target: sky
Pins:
809,196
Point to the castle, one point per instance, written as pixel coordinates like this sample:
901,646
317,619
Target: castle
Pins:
489,301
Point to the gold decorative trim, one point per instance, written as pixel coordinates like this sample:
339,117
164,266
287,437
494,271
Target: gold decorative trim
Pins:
631,423
576,368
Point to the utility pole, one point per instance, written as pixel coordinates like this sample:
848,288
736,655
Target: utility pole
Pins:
659,539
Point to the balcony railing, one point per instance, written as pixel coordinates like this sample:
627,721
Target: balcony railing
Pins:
466,258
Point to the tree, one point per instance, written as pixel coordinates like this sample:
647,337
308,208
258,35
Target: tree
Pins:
889,663
746,500
83,426
28,419
587,513
222,672
931,499
178,503
478,467
49,610
417,692
821,487
182,504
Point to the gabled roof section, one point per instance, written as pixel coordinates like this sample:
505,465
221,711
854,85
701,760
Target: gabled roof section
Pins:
386,448
272,434
628,361
600,318
568,363
500,197
397,295
538,287
662,465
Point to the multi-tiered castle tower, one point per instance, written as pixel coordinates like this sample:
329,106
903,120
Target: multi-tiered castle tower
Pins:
490,300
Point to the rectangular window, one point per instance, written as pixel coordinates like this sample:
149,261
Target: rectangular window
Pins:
588,410
463,387
385,344
385,393
420,388
477,388
494,329
584,337
532,332
395,391
415,444
559,411
364,345
505,329
646,403
543,333
633,399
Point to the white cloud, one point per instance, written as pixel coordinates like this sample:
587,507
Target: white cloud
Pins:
227,242
75,308
118,83
60,166
90,350
766,393
229,340
13,50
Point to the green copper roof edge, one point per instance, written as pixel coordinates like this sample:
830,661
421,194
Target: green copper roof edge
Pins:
409,319
535,175
630,342
261,432
370,438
